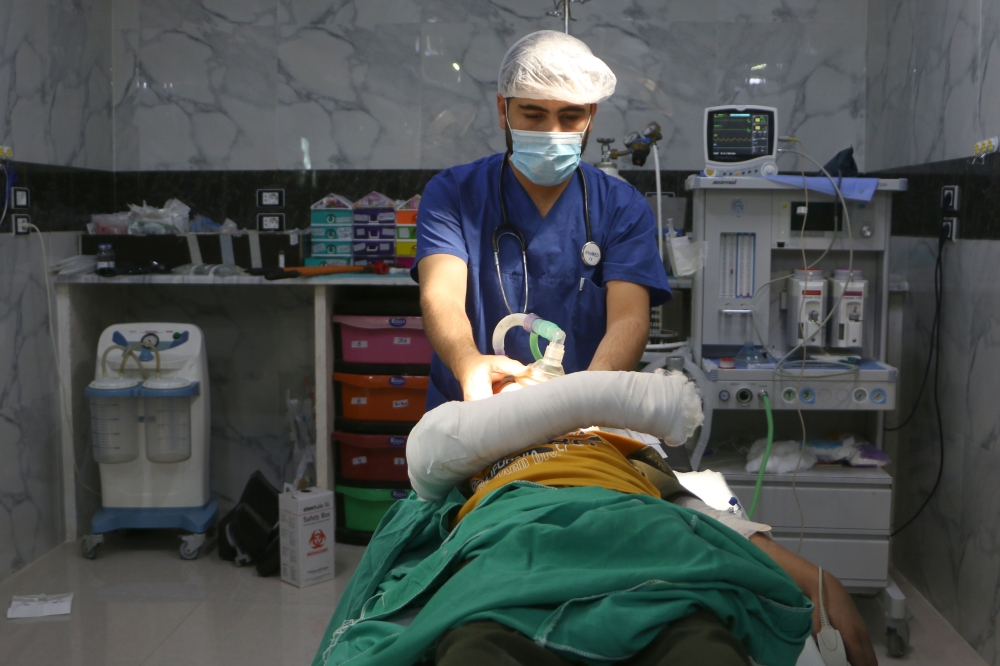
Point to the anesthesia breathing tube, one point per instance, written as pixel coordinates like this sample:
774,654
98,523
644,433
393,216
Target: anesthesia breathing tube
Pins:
549,365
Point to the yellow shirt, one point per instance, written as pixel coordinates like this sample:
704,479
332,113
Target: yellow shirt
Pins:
576,459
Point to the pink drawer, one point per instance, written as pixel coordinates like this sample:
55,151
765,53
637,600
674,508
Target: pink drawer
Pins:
395,340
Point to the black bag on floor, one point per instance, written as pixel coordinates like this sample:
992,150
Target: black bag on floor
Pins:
269,562
246,530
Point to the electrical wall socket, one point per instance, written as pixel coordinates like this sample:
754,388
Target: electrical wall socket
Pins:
271,198
20,224
20,198
950,225
270,221
950,198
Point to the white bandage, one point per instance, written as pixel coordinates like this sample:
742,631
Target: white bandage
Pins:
458,439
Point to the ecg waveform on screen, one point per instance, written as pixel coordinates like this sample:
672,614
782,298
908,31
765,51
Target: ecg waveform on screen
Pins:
739,136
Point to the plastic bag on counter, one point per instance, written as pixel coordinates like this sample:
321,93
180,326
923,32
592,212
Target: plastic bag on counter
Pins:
202,225
171,219
114,224
783,459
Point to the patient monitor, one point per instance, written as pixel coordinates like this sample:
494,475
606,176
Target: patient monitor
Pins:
741,140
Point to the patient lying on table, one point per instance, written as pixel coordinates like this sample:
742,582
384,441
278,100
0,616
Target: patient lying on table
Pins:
532,546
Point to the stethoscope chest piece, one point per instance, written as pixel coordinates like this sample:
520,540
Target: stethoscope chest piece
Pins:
591,253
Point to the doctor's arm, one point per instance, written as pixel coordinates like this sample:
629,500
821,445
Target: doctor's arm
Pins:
443,280
627,329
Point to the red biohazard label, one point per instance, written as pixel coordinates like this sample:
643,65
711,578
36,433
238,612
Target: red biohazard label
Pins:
812,292
317,539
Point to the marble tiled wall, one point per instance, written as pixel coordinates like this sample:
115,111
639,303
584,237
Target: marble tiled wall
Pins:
55,81
403,84
30,509
933,79
952,551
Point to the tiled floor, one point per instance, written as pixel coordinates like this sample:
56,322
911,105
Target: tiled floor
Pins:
139,603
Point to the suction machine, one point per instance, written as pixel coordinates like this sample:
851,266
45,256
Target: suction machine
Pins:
149,416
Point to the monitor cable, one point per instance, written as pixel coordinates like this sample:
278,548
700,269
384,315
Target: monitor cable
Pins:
935,351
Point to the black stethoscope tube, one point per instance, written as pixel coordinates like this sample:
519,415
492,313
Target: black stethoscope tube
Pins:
506,228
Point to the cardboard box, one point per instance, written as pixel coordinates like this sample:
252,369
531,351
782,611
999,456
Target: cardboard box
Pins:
307,533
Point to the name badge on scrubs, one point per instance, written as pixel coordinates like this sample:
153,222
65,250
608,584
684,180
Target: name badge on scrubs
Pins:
591,253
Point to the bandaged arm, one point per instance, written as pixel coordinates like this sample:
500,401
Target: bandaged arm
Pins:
459,439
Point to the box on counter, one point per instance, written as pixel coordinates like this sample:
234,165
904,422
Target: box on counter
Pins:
374,232
374,249
332,249
332,209
406,262
332,231
374,208
307,532
406,232
372,261
406,211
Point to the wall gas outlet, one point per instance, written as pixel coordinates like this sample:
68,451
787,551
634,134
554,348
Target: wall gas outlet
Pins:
20,224
271,198
20,198
6,153
270,221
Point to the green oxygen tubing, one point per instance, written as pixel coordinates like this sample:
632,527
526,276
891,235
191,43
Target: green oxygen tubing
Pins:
767,453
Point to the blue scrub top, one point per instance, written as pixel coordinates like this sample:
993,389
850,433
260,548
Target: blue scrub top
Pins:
460,209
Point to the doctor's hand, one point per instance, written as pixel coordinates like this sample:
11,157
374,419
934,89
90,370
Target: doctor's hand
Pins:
477,372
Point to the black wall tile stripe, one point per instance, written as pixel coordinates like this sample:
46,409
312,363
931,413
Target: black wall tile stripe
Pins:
63,198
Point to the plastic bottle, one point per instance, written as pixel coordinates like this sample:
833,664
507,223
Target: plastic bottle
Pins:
750,357
105,259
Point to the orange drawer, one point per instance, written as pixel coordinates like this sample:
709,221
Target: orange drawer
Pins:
382,397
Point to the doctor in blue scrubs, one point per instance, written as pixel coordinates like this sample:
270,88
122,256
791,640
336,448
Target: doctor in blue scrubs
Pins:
594,269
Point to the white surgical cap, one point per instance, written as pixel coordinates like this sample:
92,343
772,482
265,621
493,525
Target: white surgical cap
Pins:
553,65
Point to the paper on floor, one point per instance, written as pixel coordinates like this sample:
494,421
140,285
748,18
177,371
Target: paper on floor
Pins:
40,605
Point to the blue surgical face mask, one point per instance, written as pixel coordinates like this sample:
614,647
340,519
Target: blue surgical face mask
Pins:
546,158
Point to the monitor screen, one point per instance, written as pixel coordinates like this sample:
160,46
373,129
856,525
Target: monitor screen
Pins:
823,216
740,136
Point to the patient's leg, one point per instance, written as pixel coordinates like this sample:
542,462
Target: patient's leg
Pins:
696,640
490,643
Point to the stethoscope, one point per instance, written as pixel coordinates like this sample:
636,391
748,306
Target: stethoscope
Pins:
590,252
